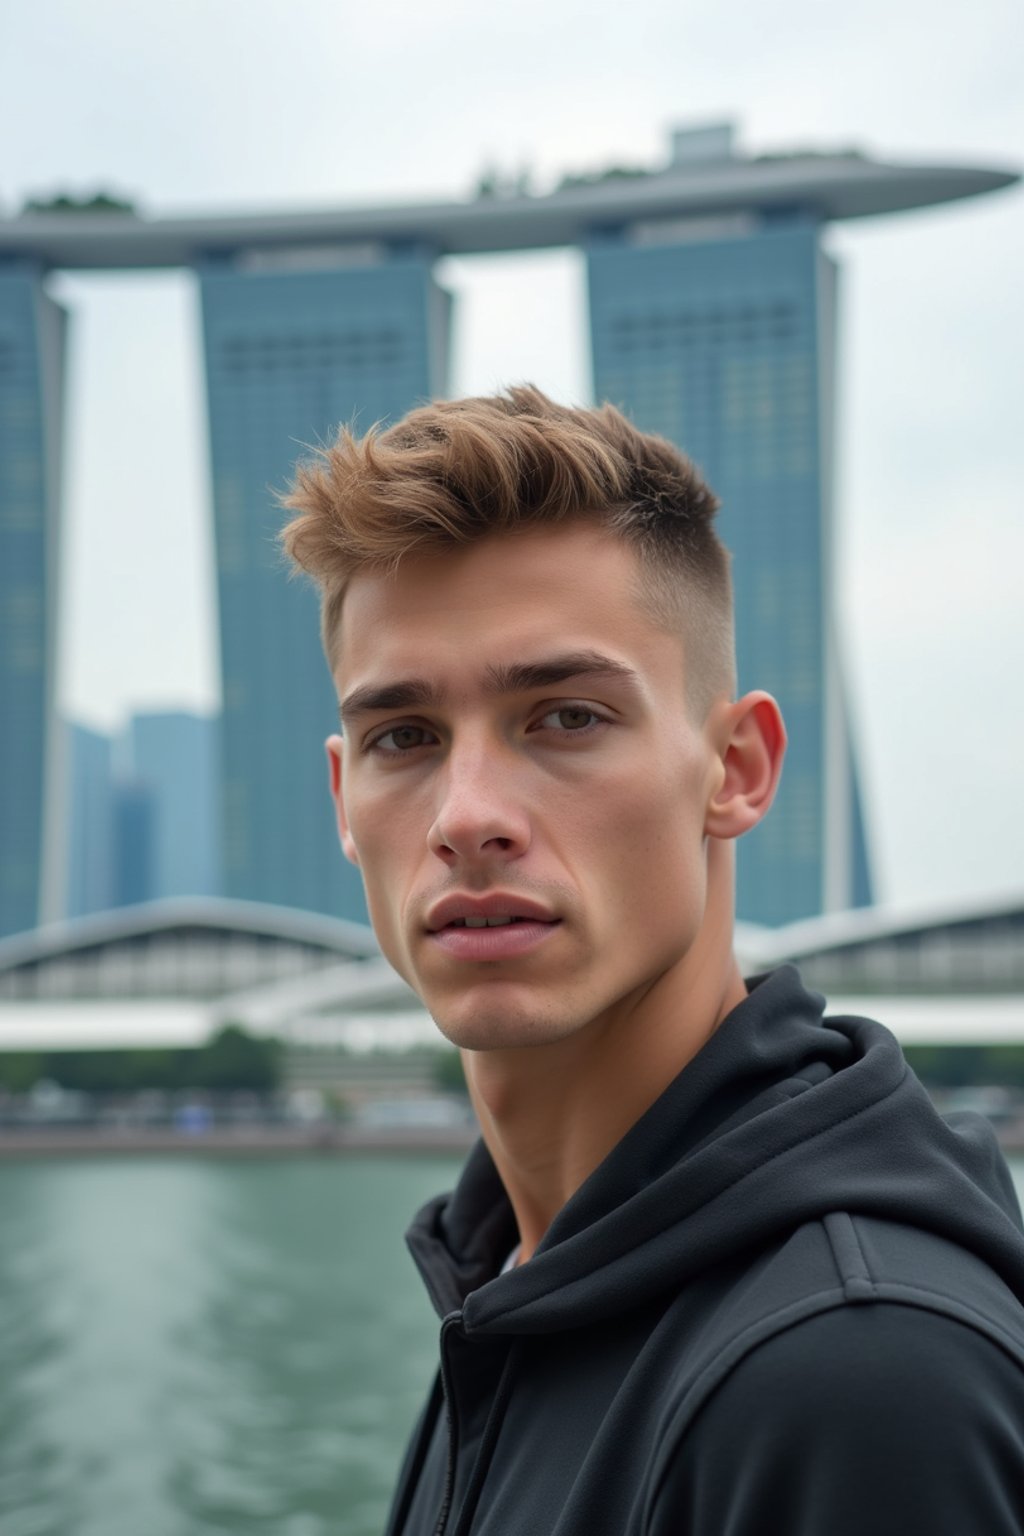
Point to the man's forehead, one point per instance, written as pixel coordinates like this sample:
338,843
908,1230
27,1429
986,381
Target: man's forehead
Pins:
562,568
505,652
480,630
452,619
564,558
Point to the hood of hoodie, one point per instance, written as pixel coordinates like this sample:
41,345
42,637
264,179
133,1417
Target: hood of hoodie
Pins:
783,1117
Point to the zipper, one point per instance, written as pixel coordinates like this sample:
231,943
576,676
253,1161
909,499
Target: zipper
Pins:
488,1441
449,1403
413,1468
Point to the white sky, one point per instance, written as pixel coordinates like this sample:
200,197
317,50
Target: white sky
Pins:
200,105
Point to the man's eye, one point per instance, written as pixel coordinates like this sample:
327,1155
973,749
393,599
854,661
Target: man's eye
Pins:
401,738
570,717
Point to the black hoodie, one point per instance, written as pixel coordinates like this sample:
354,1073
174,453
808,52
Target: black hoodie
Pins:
789,1301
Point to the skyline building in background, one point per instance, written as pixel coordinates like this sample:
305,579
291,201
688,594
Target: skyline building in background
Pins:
172,755
32,346
721,336
91,885
713,321
290,354
142,812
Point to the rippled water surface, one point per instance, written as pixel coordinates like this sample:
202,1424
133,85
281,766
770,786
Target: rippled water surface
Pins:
190,1347
198,1347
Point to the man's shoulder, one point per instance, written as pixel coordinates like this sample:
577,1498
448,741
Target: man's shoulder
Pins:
827,1272
886,1260
877,1373
848,1257
857,1351
853,1417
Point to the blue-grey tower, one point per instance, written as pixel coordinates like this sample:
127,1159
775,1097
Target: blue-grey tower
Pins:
718,331
290,354
32,345
91,884
173,756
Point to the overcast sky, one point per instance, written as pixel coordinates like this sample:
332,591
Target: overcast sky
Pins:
202,105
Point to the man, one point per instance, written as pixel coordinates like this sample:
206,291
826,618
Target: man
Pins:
716,1267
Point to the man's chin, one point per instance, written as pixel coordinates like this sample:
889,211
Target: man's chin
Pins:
491,1026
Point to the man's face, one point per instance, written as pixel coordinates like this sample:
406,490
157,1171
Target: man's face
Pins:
517,746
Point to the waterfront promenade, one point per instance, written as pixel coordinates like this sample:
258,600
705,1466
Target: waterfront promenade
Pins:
232,1140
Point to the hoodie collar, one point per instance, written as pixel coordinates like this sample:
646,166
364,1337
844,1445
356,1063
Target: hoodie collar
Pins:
719,1162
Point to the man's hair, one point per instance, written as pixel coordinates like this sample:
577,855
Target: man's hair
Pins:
456,471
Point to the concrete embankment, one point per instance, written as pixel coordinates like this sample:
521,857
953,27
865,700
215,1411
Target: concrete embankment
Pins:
229,1141
270,1140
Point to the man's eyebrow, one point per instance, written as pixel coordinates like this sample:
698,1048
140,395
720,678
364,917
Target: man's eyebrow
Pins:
521,676
510,677
410,693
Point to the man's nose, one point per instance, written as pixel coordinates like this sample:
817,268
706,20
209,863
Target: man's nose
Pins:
481,817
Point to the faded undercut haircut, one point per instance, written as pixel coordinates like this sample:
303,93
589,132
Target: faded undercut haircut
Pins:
456,471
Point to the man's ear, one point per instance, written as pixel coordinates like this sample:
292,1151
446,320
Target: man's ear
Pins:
334,748
752,744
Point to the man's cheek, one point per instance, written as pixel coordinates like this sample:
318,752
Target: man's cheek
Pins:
385,924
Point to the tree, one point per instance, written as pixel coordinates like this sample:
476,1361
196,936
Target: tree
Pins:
234,1060
448,1074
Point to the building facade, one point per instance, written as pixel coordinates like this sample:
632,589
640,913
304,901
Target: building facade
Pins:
91,822
291,354
173,756
719,334
32,345
142,812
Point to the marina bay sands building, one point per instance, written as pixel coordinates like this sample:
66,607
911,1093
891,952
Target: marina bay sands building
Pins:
289,356
712,307
32,331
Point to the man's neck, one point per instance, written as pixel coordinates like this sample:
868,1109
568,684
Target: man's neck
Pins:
550,1114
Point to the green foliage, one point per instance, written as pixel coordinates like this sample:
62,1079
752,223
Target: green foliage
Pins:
495,183
231,1061
600,178
100,202
967,1066
447,1071
115,1071
20,1069
234,1059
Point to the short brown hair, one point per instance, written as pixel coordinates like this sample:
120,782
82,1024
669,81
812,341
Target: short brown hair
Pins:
459,470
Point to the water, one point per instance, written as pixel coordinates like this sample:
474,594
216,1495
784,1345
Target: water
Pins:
199,1347
190,1347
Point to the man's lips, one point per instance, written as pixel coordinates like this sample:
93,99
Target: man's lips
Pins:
499,926
476,912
